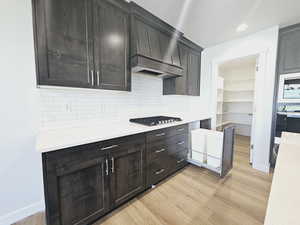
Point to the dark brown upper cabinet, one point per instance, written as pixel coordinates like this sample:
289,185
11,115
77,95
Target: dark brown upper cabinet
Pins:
82,43
189,83
289,50
111,46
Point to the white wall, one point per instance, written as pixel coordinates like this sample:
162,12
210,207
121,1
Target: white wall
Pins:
21,191
64,108
264,41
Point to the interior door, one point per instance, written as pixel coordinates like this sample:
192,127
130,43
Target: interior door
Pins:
111,46
63,43
127,173
83,191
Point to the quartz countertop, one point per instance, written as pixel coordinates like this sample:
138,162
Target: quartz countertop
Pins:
283,206
57,139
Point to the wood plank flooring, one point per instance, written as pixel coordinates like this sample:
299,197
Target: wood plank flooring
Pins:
195,196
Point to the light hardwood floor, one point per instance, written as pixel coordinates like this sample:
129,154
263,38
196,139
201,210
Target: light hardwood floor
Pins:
195,196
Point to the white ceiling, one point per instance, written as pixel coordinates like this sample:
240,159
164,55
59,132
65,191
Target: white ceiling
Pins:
210,22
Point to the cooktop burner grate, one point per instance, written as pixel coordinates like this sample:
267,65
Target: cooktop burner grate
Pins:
155,120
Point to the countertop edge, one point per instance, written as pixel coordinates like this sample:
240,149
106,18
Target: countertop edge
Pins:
44,148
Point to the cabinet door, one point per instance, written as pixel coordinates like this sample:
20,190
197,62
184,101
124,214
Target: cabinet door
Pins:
289,50
111,46
83,191
193,84
62,41
127,173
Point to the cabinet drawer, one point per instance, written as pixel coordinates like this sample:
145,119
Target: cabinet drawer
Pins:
120,143
178,143
182,129
157,150
159,135
169,145
158,170
178,160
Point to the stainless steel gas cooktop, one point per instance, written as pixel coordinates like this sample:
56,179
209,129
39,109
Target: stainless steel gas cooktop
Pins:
155,120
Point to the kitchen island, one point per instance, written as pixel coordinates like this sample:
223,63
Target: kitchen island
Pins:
283,207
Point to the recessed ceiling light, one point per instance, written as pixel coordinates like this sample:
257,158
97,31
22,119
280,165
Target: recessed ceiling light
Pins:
242,27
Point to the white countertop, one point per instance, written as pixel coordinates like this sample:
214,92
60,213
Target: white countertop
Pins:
284,201
64,138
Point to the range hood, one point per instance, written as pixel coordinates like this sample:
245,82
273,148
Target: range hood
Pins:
143,64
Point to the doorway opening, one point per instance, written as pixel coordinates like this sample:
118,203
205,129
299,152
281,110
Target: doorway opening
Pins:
236,99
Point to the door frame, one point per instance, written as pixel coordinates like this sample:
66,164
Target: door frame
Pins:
260,82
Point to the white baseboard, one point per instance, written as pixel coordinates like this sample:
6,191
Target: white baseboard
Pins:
22,213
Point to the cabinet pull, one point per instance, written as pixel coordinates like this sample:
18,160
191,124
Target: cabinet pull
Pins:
180,161
92,74
98,78
109,147
159,172
161,134
106,170
181,129
112,165
180,143
159,151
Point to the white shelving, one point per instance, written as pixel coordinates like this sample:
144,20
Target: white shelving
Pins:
238,99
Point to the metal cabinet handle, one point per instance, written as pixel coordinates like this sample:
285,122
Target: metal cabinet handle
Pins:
112,165
106,170
180,161
92,74
160,171
109,147
98,78
181,129
180,143
159,151
161,134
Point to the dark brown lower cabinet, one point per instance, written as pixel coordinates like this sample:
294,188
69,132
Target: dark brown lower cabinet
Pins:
127,175
167,152
83,192
86,182
76,187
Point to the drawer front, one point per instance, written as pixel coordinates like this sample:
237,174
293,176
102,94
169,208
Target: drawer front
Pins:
158,170
158,150
159,135
178,160
178,143
182,129
169,145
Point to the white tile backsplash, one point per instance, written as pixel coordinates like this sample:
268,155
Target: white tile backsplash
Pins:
61,108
